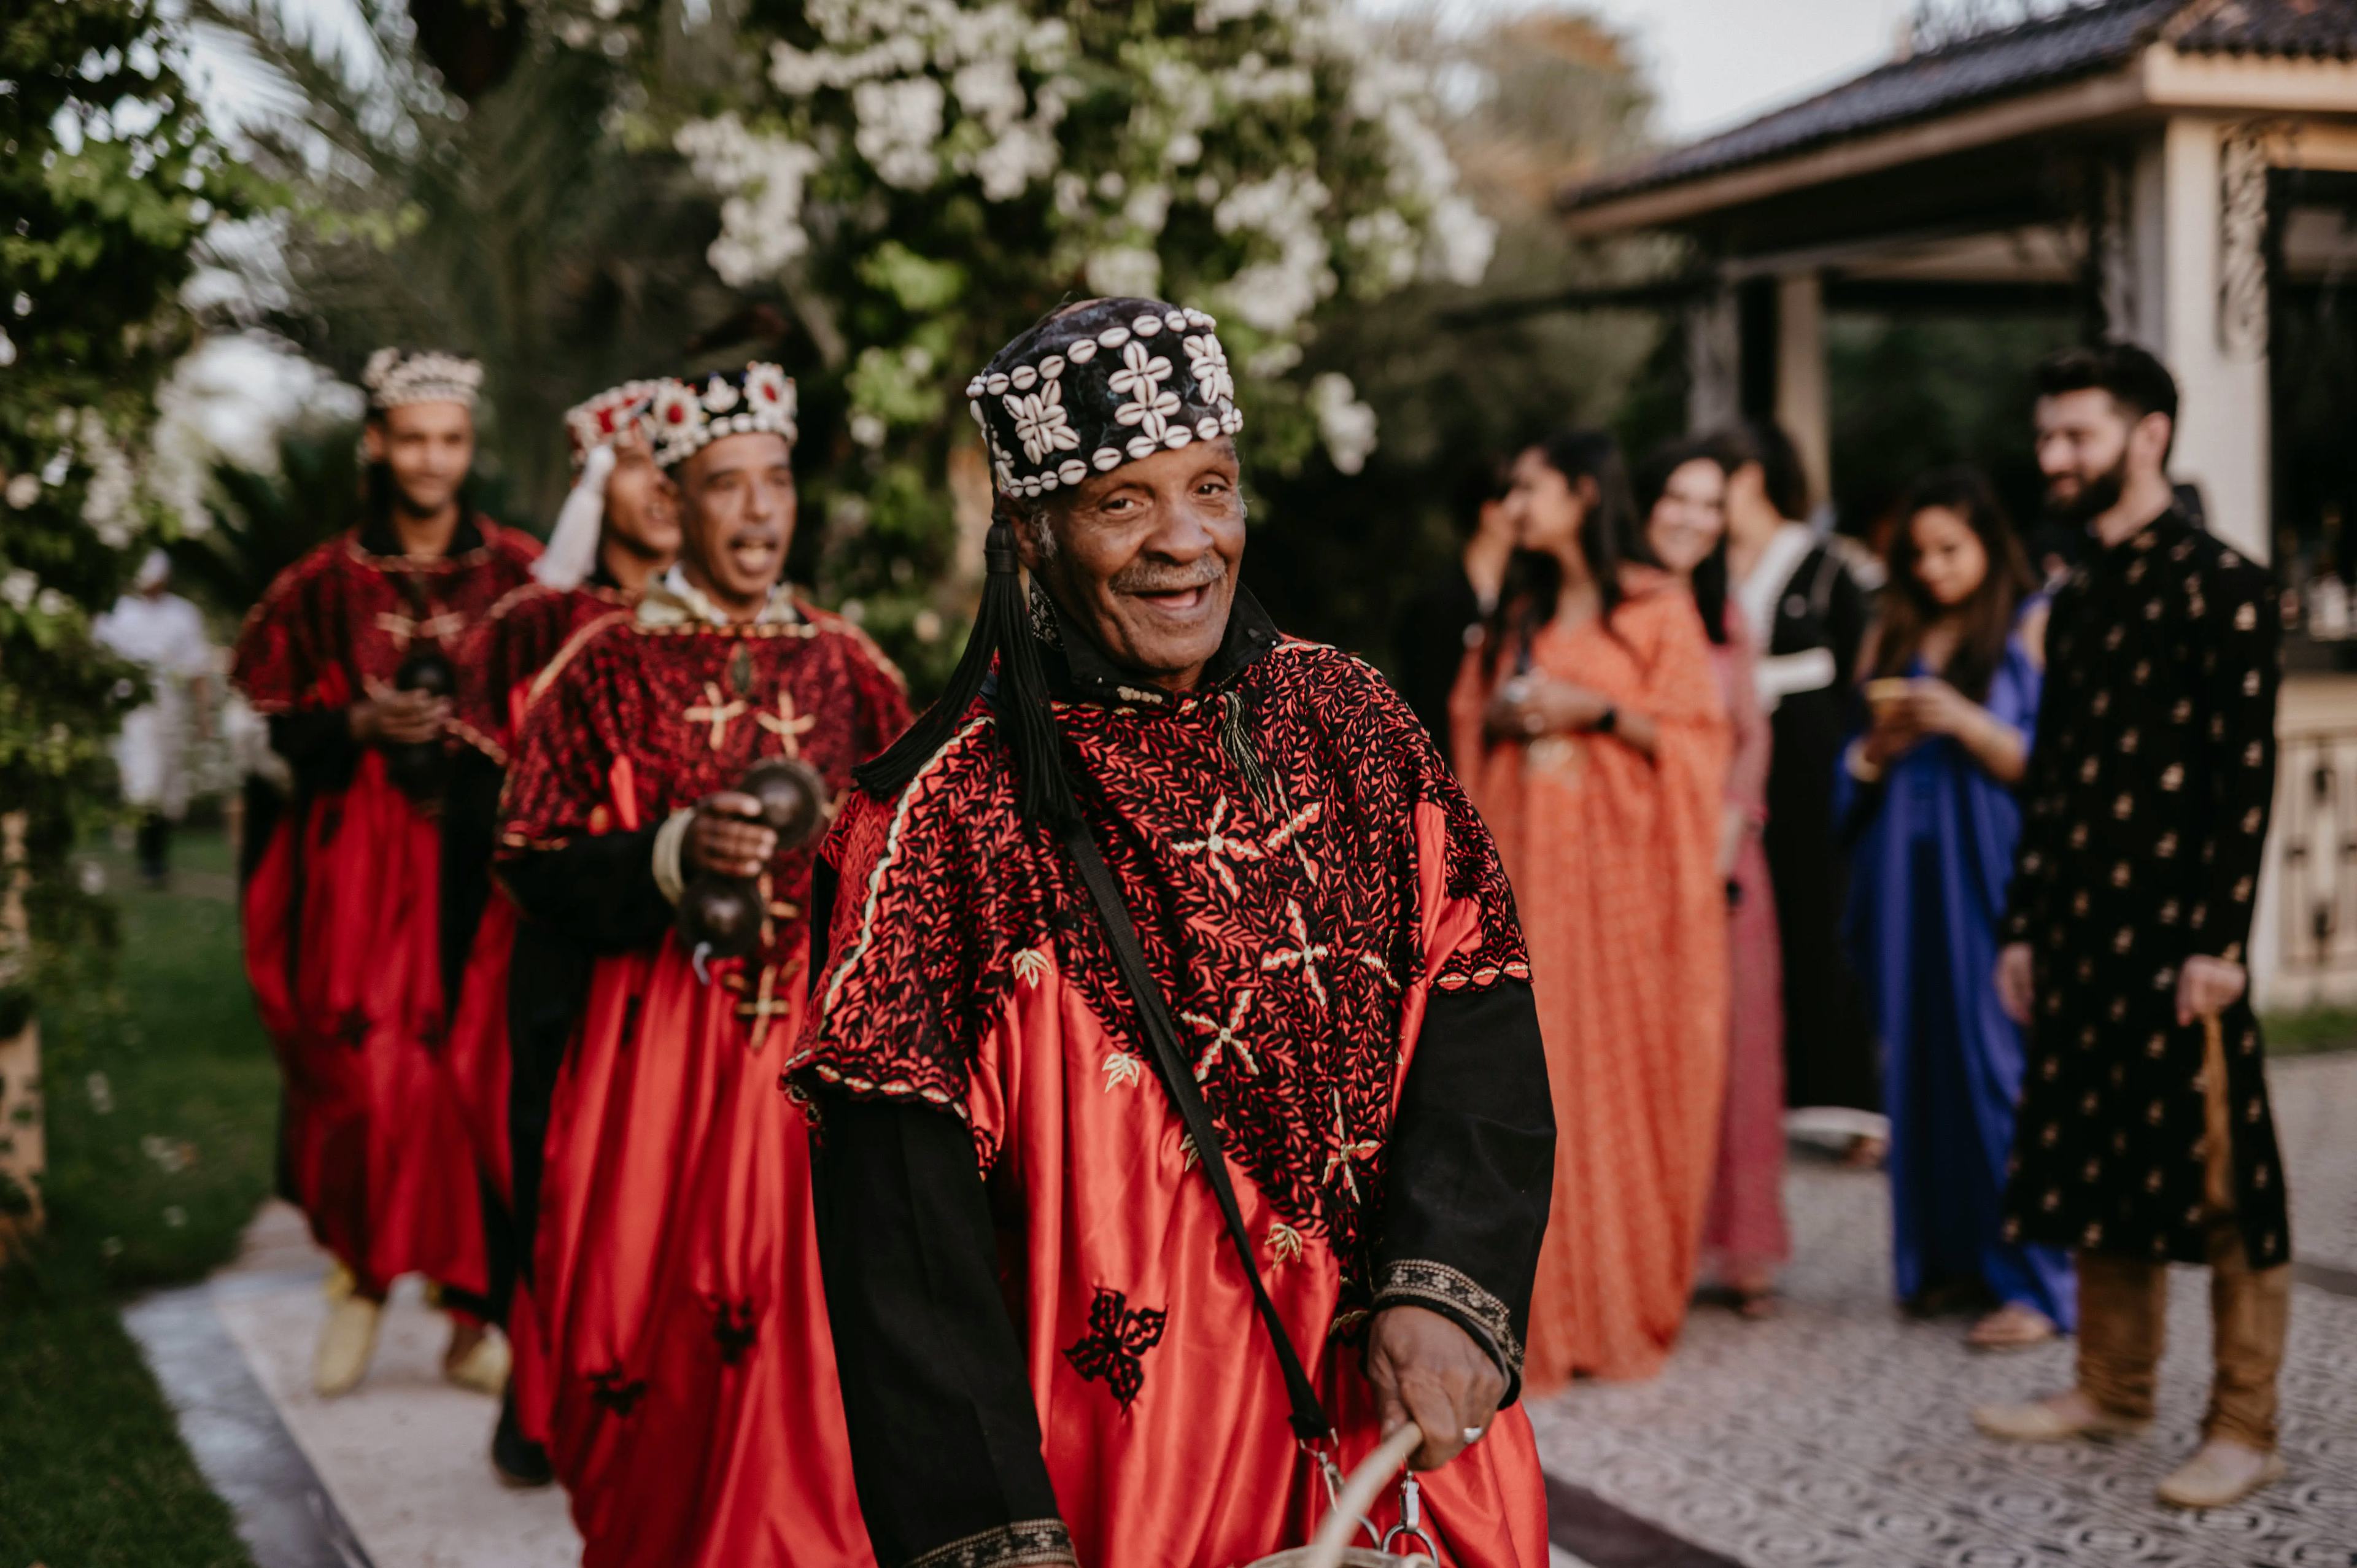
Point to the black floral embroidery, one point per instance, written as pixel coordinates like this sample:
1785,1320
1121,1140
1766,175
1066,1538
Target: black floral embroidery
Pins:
733,1326
1115,1344
613,1391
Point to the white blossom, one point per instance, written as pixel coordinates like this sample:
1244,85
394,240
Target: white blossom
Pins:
1148,208
1462,241
18,587
1346,425
24,489
51,602
760,216
987,90
1387,246
1009,165
1126,270
899,124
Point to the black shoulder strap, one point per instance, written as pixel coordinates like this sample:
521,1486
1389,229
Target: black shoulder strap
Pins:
1309,1423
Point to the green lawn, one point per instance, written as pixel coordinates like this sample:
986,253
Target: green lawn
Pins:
2312,1030
162,1103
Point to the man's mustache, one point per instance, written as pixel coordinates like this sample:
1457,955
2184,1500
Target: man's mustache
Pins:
1155,578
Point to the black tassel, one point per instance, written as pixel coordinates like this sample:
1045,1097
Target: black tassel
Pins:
1002,632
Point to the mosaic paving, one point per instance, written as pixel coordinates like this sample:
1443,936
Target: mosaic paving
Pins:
1836,1435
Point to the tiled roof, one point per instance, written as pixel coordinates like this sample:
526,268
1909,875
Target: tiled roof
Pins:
2083,41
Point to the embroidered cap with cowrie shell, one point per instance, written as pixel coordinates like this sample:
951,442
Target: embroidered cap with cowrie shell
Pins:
1100,384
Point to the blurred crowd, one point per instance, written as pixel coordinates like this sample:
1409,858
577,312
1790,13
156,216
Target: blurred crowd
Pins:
1754,781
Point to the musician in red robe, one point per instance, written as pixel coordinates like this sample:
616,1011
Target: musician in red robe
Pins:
1062,1154
691,1409
617,532
348,656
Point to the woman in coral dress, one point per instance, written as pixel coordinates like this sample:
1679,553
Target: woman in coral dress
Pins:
1590,732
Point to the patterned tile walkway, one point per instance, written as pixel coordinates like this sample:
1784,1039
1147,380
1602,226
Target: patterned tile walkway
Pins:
1833,1436
1836,1434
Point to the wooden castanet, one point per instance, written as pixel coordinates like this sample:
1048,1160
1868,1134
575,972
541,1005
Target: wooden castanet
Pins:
720,916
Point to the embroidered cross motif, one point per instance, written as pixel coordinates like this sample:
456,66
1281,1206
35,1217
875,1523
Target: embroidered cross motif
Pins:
766,1004
1217,848
1223,1037
788,725
1290,835
405,630
714,712
1304,955
1115,1344
1344,1151
610,1391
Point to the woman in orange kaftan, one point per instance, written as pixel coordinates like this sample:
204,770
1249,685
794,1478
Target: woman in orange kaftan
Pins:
1591,735
1681,494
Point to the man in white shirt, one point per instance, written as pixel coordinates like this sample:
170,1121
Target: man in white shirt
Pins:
164,635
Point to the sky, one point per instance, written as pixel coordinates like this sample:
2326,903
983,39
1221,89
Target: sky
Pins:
1718,62
1715,63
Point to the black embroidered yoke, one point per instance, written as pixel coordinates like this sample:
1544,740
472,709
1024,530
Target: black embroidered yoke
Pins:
1263,830
2146,813
633,722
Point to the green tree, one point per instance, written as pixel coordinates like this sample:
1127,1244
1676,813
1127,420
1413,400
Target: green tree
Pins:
463,179
109,180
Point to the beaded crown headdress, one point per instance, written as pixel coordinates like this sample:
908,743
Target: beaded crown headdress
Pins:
395,377
685,416
597,421
1107,382
590,427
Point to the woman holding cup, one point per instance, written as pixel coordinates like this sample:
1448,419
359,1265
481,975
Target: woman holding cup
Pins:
1955,668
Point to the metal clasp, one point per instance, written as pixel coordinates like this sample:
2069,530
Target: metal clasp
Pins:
1411,1524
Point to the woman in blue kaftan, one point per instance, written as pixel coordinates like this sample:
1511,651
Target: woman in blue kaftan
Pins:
1956,665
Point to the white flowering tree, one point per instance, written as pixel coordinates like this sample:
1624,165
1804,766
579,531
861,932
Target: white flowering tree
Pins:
920,179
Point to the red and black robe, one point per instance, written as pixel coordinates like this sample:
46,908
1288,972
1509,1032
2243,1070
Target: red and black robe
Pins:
341,912
1046,1348
484,940
690,1405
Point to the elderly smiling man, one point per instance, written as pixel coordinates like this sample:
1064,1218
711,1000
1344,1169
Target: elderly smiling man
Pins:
1151,883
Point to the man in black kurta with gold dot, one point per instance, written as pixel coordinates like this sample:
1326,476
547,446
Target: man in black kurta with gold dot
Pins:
2144,1135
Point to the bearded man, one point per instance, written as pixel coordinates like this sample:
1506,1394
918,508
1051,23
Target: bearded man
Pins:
691,1407
2145,1135
347,656
617,532
1182,1102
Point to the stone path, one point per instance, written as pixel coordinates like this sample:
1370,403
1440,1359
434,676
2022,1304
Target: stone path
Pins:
1833,1436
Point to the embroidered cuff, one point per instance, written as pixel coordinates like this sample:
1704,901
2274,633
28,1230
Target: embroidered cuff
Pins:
1418,1282
669,879
1019,1545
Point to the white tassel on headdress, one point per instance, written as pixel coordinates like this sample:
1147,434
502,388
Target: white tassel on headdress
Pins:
572,552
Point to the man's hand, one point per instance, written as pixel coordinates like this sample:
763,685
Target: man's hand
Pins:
2207,987
728,837
2015,981
1426,1370
398,718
